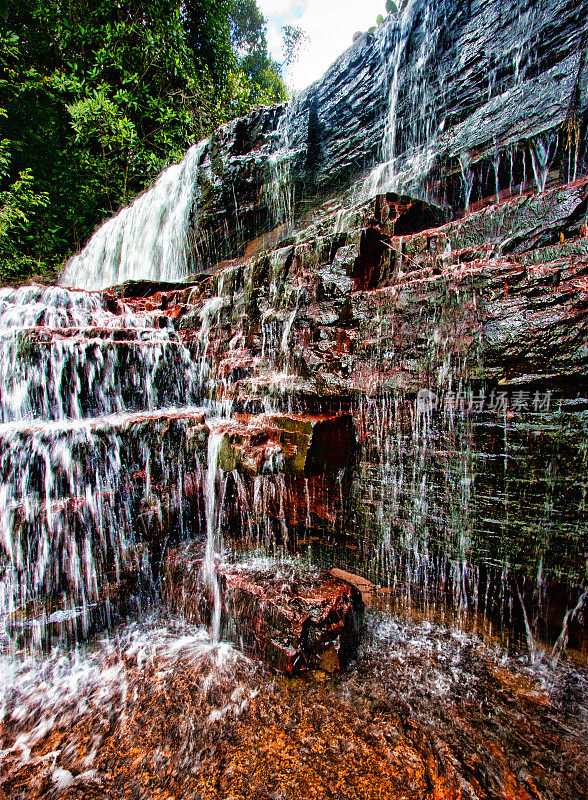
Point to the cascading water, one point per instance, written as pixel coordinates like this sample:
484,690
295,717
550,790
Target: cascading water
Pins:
64,355
213,509
461,521
95,398
543,151
420,138
278,189
409,154
148,240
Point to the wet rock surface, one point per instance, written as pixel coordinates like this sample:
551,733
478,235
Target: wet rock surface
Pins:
329,446
296,444
427,713
324,380
497,293
293,618
42,625
482,93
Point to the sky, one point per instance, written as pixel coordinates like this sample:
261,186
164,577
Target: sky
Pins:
330,25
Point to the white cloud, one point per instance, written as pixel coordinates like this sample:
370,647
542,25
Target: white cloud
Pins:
275,41
330,24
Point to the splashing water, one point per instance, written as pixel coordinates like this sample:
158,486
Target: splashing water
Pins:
87,696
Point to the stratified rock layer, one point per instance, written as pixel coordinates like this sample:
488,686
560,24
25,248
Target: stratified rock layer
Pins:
451,100
488,313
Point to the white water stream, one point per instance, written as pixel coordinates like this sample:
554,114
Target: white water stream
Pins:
147,240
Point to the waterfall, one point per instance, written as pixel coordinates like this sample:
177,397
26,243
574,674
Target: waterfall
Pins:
76,494
420,136
543,151
147,240
278,190
408,153
98,401
212,511
64,355
216,444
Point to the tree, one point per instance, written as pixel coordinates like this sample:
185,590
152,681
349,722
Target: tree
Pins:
18,203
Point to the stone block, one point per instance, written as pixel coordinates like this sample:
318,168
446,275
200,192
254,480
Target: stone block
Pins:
292,617
301,445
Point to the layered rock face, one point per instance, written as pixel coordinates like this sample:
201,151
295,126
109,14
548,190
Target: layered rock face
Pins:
450,101
427,431
463,371
355,331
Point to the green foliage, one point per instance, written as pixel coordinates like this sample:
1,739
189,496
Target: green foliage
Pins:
18,204
100,117
99,97
391,7
379,19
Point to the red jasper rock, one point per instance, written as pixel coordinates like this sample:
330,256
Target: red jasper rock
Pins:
293,618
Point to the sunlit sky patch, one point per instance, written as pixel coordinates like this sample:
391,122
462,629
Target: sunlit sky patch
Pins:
330,25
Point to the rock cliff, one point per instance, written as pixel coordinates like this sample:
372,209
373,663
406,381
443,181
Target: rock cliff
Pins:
452,101
383,289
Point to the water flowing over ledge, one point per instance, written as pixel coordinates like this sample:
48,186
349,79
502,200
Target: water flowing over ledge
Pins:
318,405
148,239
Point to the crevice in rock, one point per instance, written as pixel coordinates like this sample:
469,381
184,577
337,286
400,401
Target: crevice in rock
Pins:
338,242
374,250
413,216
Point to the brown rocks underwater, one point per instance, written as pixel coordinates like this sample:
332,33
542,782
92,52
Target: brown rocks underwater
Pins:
426,712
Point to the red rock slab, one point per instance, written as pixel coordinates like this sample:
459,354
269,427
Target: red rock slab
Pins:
291,618
267,241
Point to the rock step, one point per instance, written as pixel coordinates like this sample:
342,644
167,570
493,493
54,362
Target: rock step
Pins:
292,443
292,617
111,336
43,624
111,422
305,445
